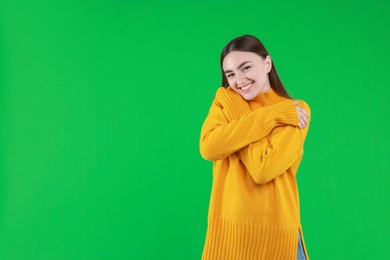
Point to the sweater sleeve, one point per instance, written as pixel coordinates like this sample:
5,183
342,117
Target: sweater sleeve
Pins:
269,157
221,137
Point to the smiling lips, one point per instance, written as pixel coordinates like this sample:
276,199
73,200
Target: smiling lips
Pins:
246,86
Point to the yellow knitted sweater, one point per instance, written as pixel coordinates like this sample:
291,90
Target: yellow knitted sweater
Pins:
256,148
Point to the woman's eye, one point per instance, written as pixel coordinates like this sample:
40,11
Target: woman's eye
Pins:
230,75
247,68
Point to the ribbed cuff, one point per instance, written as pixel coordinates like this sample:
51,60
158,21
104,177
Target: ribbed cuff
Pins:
282,110
285,113
233,103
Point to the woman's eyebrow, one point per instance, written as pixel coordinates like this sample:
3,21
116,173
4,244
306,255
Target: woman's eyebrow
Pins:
239,67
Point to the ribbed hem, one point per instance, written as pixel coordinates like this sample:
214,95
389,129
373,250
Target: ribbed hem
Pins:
229,239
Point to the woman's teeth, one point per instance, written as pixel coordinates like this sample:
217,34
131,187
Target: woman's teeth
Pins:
247,86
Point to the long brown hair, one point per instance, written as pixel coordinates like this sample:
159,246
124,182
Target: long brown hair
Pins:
250,43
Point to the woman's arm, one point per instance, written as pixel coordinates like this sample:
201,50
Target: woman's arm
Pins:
268,158
220,138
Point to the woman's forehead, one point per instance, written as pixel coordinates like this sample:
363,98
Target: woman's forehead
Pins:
235,58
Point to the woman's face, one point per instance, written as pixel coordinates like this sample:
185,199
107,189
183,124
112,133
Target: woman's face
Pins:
247,73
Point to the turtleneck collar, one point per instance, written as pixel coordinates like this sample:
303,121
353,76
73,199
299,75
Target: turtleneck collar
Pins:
266,98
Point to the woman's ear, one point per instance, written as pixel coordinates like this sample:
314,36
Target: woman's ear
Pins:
268,64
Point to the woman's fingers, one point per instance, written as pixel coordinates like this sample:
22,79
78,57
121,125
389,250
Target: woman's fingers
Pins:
302,115
302,123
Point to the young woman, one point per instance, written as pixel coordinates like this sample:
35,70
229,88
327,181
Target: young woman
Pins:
254,134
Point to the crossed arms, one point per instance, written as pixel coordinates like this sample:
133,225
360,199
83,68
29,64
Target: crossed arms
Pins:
267,140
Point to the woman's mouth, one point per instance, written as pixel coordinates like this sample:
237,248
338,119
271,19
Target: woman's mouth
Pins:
246,87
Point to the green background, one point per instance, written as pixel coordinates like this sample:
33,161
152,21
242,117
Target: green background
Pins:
101,105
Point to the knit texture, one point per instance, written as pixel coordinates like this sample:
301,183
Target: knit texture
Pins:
256,148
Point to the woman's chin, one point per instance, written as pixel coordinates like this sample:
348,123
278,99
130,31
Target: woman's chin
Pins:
248,97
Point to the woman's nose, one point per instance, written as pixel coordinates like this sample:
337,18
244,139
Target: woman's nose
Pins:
240,79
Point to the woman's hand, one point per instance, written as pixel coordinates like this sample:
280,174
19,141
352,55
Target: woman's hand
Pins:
302,115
